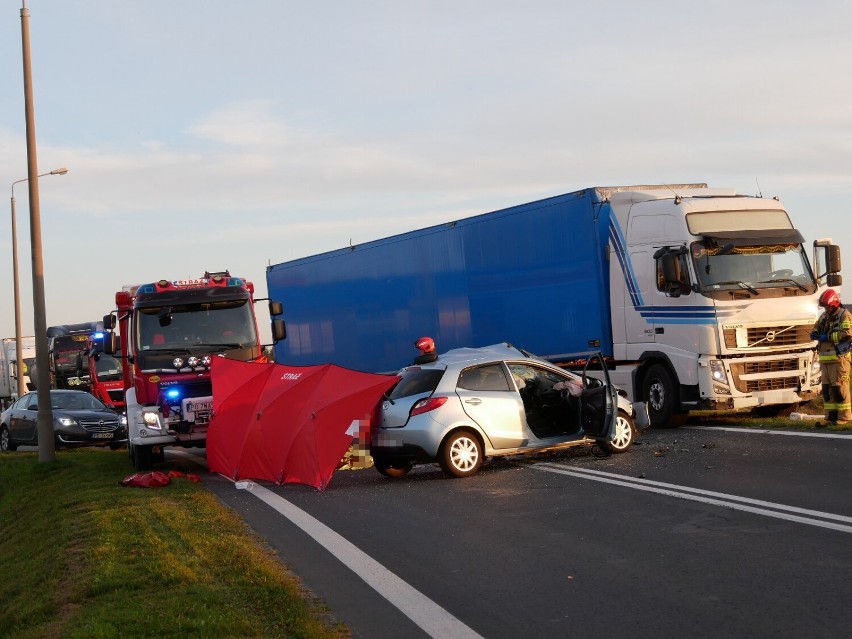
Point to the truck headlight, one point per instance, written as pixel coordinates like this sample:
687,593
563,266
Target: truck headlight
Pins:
151,420
717,371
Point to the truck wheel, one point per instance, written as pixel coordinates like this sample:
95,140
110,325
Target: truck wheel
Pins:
6,443
390,469
461,454
142,458
625,433
662,398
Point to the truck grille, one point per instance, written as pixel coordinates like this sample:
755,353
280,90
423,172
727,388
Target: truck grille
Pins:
99,425
780,336
772,367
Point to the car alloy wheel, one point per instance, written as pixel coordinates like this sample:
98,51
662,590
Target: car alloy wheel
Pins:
461,454
625,432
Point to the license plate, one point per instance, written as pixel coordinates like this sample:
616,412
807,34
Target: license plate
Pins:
101,435
195,407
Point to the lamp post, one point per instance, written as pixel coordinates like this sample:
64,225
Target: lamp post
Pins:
46,444
18,347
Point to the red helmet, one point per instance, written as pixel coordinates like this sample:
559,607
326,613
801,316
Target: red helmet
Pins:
425,344
829,298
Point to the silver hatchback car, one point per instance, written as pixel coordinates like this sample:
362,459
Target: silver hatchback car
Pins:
473,403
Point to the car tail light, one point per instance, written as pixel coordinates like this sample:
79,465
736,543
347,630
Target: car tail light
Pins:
427,404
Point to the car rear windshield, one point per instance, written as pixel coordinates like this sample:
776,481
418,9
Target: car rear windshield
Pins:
416,381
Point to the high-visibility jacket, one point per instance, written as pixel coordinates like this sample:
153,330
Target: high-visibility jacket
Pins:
837,327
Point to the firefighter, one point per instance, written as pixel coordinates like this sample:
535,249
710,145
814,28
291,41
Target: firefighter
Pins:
833,331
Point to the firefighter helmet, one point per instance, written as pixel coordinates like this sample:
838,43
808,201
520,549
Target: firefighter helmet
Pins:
425,344
829,299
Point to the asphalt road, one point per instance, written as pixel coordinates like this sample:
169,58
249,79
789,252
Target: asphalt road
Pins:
694,532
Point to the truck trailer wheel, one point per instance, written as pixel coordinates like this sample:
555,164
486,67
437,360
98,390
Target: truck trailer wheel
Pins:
661,392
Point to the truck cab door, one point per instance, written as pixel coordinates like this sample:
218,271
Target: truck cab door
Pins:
599,400
639,327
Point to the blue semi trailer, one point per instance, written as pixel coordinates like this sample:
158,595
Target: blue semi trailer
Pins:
698,297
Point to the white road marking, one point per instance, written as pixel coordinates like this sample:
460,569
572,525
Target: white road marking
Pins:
789,433
755,506
424,612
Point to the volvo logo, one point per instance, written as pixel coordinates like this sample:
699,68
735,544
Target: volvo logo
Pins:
770,336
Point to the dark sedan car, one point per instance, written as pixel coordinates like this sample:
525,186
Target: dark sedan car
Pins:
79,419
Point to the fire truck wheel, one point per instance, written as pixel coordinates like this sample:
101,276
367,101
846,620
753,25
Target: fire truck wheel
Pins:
142,457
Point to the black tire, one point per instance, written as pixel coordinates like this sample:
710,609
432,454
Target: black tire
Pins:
391,469
142,457
461,454
6,443
661,393
625,434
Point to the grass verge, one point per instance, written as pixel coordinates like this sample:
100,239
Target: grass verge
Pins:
83,556
751,418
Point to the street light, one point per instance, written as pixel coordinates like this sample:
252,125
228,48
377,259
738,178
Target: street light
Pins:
18,347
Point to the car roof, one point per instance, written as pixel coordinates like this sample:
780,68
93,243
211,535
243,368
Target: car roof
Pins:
468,355
62,391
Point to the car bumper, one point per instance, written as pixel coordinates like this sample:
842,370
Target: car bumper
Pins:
69,438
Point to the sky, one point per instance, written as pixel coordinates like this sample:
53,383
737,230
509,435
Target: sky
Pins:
210,135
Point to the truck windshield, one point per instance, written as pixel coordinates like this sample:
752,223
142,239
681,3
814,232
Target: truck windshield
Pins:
220,323
65,351
751,267
108,368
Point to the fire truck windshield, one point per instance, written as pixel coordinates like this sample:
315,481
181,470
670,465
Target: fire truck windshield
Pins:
108,368
219,323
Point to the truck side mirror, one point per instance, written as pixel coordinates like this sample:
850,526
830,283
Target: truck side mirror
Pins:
833,259
110,346
279,330
109,322
834,279
276,309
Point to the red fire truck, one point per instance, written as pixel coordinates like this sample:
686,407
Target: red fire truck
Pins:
168,334
106,381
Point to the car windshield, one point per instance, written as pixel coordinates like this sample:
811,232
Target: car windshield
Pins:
416,381
75,401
